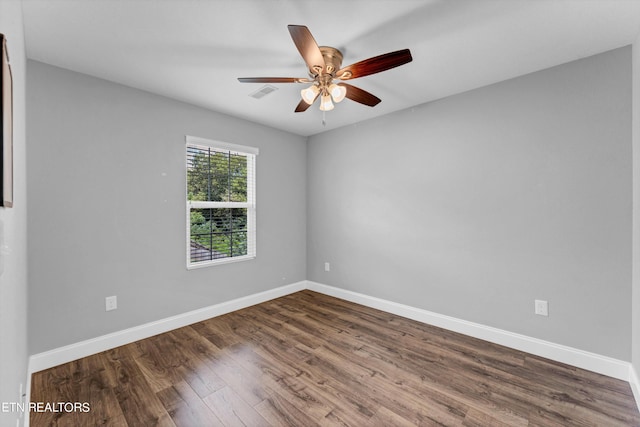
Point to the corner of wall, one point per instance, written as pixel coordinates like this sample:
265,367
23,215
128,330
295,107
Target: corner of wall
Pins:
635,300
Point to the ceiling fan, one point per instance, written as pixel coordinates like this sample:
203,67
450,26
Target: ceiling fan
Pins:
325,66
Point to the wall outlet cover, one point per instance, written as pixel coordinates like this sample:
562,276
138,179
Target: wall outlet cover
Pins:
541,307
111,303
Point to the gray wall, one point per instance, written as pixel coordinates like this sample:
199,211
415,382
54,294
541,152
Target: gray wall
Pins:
475,205
13,226
107,208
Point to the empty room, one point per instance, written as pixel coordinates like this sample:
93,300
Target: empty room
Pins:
300,213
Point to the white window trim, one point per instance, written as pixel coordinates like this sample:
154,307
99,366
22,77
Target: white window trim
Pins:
250,205
245,149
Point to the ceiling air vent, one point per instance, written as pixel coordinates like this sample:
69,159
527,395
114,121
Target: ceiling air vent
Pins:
263,91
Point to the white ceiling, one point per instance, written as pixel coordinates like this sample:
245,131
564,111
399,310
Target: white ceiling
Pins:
194,50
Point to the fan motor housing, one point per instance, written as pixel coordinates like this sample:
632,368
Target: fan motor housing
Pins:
332,60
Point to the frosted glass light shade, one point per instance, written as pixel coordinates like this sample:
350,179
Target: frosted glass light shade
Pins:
325,103
337,92
309,94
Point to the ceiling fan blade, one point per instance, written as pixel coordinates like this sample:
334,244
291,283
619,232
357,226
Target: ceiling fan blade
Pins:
376,64
307,47
273,80
360,95
302,106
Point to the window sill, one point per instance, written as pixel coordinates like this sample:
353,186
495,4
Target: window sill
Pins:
220,261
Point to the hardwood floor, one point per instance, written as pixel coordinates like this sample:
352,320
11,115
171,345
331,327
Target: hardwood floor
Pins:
307,359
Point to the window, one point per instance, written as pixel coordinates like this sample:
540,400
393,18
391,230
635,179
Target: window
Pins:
221,202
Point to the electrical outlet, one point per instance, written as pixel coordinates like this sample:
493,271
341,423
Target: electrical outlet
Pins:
111,303
327,266
542,307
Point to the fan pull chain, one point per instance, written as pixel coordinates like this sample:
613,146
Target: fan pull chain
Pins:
324,121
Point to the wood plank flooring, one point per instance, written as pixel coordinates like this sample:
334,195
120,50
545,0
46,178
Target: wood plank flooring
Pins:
307,359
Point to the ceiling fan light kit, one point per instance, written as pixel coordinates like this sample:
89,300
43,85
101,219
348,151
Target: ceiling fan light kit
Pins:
325,67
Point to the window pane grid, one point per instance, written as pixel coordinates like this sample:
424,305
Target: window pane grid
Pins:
217,176
218,233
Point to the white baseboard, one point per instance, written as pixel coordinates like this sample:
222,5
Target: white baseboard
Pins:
68,353
582,359
635,384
